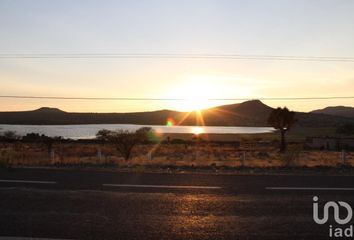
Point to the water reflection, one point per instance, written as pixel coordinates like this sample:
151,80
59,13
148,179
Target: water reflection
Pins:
90,130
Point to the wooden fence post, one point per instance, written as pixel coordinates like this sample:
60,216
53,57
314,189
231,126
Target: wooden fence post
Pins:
343,157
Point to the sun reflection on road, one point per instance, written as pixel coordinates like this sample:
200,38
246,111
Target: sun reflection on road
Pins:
190,217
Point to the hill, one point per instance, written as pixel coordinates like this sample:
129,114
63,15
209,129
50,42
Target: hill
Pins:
337,111
249,113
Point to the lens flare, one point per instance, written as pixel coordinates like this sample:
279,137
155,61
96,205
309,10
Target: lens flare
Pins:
170,122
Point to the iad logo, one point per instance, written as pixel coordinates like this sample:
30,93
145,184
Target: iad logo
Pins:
335,207
342,214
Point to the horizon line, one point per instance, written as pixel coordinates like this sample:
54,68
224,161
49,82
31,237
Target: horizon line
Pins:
173,99
162,109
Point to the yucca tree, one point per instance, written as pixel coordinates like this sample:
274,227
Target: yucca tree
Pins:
282,119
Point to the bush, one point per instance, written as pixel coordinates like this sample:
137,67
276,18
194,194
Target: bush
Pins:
124,141
9,136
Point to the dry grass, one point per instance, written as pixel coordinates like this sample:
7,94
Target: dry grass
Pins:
198,155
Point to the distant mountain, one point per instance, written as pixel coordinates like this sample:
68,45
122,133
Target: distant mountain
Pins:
249,113
48,110
337,111
255,113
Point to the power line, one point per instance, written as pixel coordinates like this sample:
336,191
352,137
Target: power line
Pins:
171,99
171,56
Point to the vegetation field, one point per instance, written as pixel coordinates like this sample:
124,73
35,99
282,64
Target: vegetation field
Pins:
192,154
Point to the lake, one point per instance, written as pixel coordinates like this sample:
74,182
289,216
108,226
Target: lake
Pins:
88,131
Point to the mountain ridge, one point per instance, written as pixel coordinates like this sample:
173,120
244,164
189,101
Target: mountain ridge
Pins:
253,113
343,111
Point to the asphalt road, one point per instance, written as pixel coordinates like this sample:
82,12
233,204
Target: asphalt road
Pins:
72,204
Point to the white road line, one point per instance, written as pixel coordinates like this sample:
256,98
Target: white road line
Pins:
310,188
26,181
160,186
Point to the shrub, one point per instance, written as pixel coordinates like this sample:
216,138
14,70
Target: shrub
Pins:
291,155
123,140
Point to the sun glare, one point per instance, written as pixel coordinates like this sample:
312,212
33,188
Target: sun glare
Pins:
195,96
197,130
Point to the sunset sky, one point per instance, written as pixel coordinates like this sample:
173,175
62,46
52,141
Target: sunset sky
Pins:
322,28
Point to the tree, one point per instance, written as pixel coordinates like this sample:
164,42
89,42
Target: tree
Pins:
103,135
145,133
9,136
282,119
124,140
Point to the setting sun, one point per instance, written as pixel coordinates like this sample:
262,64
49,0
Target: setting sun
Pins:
195,97
195,94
